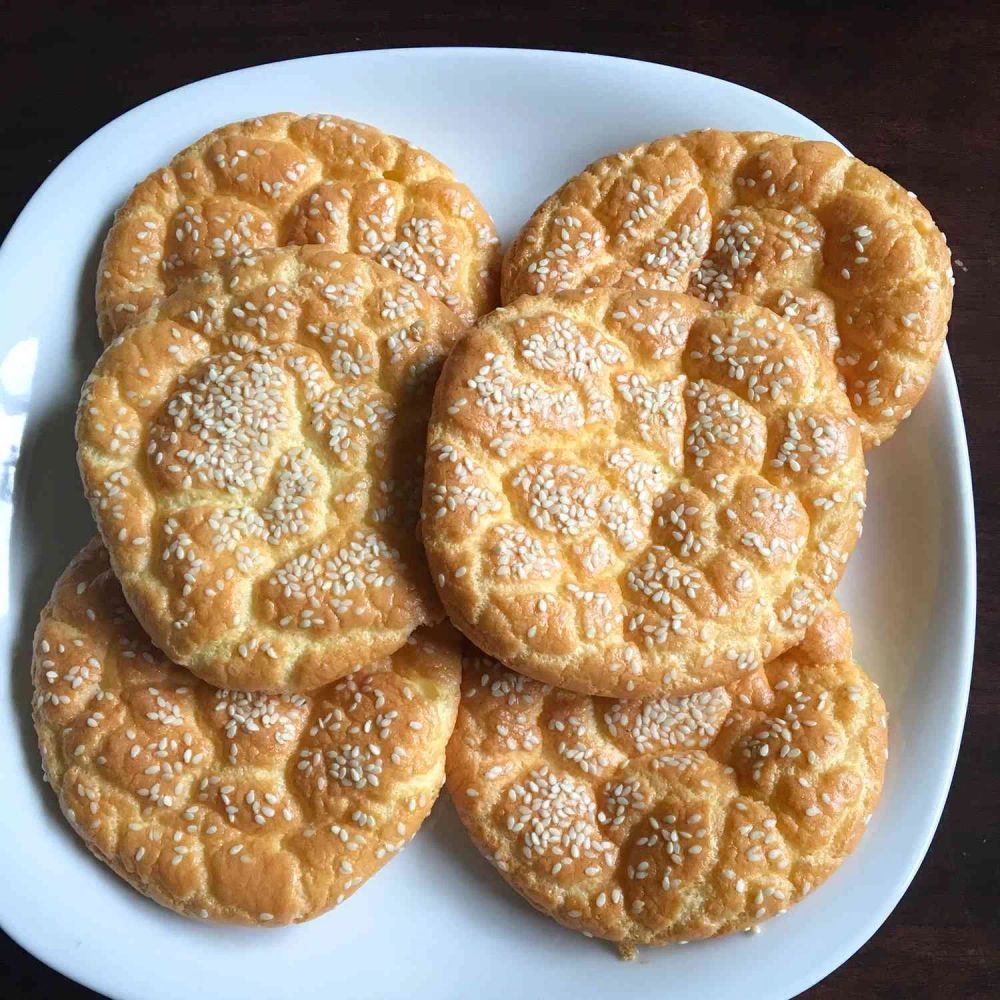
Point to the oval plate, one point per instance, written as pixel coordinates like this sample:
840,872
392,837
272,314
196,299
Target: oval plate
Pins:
513,125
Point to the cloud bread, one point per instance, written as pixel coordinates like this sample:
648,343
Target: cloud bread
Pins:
628,493
253,451
244,808
674,818
828,242
290,179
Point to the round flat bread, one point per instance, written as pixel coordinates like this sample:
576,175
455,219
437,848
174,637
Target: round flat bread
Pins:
285,179
253,453
628,493
826,241
245,808
674,818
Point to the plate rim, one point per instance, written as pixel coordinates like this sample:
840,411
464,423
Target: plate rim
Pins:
964,516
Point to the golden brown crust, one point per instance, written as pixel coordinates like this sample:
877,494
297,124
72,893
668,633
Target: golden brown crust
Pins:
828,242
253,452
629,493
244,808
672,819
287,179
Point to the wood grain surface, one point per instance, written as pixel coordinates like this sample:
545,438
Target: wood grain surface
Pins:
914,90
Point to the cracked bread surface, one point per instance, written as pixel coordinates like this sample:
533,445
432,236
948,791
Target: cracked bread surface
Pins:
252,451
828,242
261,809
629,493
298,179
672,819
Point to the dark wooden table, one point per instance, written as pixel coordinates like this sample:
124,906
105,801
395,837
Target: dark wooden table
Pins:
915,92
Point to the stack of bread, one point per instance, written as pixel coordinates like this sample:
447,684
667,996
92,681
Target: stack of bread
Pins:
363,532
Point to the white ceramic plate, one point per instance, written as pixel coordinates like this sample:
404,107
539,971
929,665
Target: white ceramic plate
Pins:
438,922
